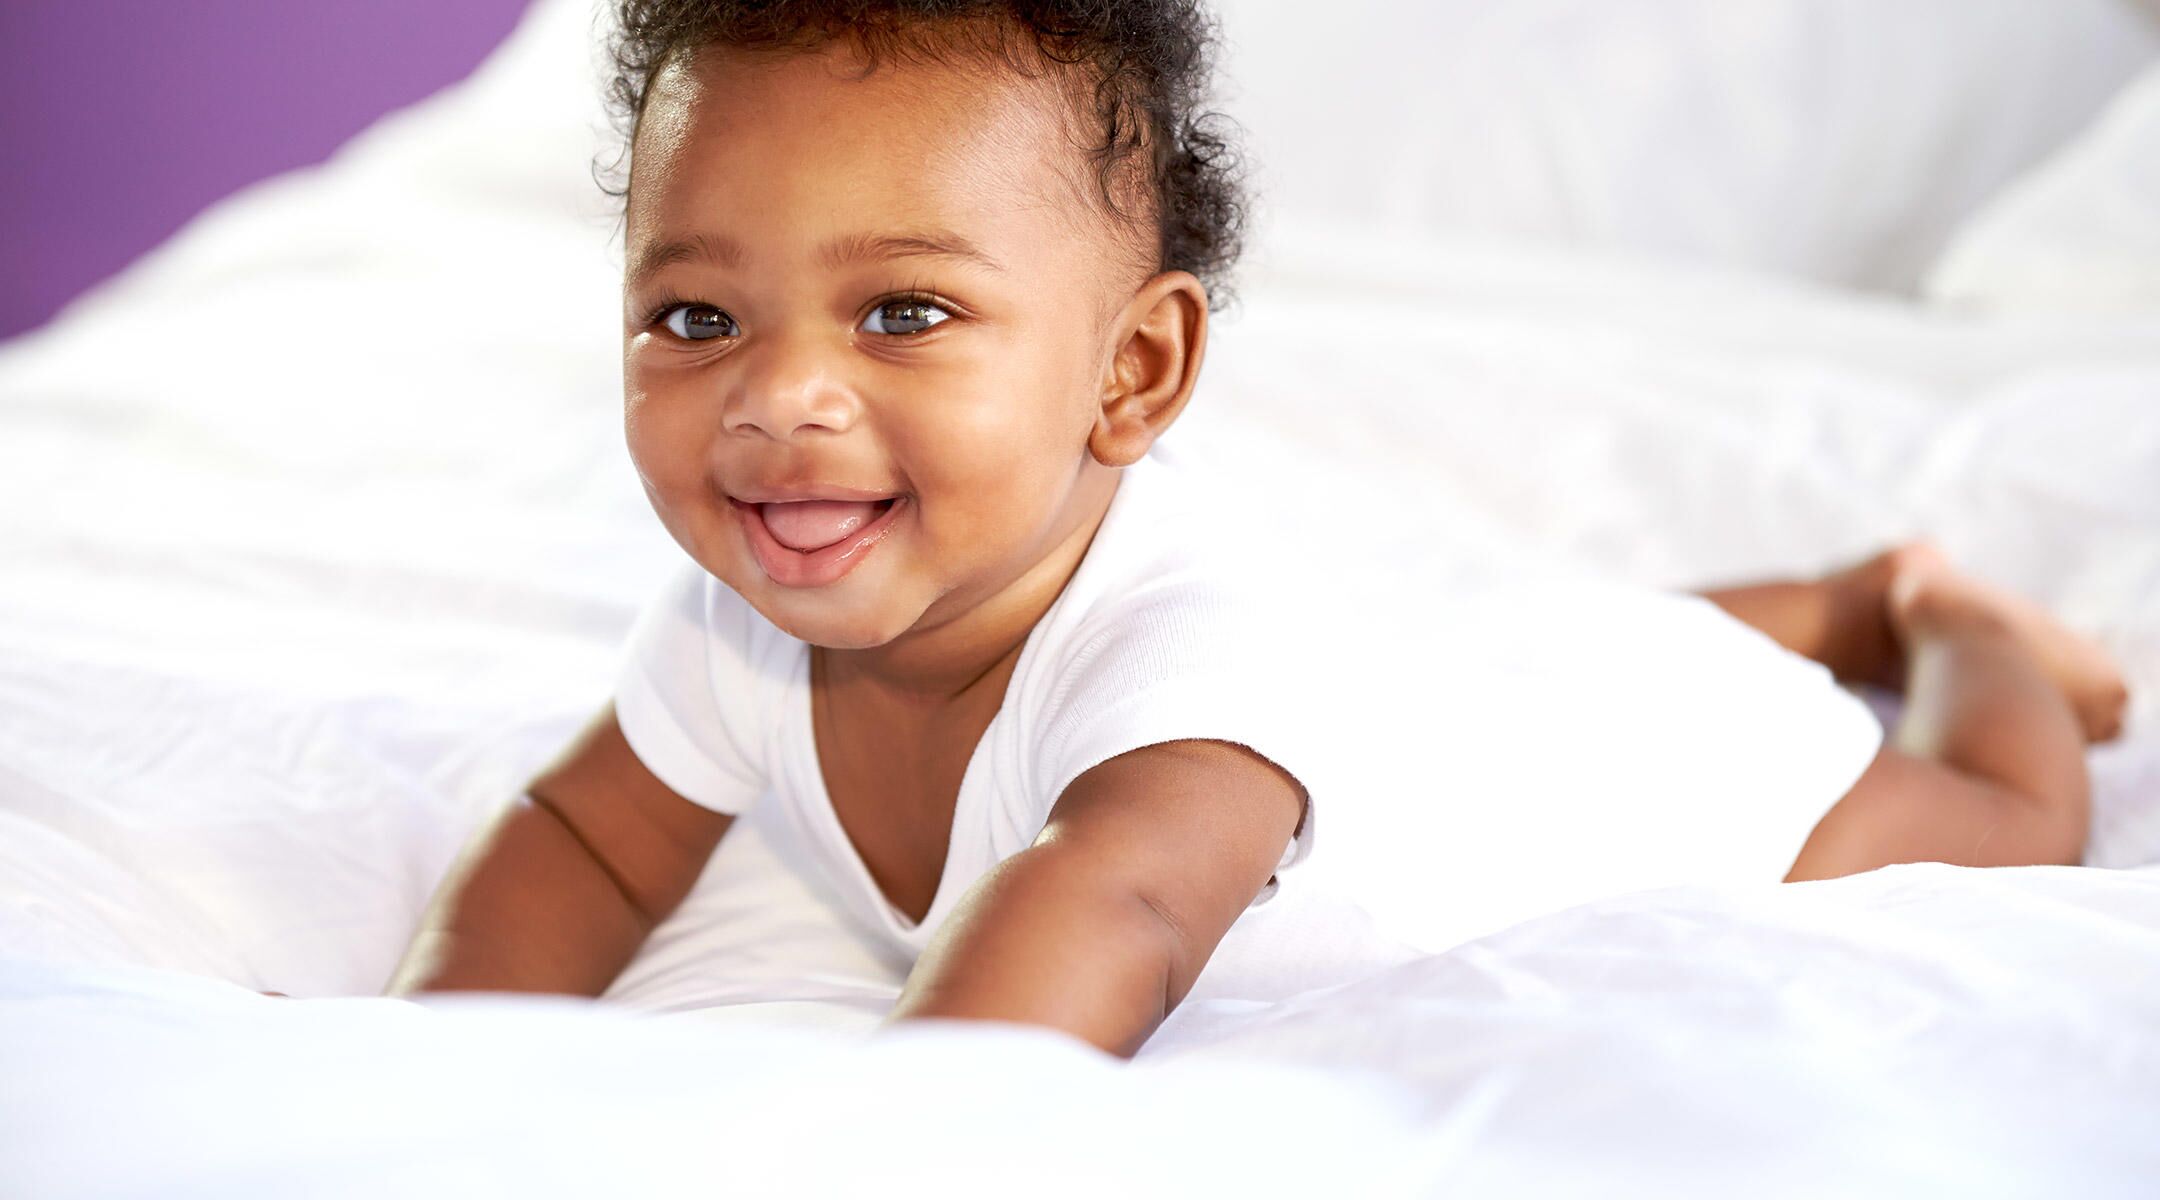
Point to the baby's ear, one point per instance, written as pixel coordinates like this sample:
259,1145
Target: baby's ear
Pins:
1157,342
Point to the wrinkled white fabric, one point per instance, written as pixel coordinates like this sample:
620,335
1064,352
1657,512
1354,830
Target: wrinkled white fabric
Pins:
2077,234
1913,1031
1830,140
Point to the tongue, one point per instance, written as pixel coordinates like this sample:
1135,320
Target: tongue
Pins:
813,524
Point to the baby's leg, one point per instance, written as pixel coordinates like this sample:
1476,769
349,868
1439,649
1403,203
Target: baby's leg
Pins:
1846,622
1841,621
1987,767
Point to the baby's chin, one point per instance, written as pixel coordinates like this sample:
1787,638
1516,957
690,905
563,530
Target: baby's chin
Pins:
847,615
841,636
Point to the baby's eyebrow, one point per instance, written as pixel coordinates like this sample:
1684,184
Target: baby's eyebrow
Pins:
935,243
724,251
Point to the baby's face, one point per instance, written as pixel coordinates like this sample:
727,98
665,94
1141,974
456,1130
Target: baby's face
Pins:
881,287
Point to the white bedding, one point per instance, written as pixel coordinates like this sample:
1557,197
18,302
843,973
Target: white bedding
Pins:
2081,234
321,538
1833,140
1915,1031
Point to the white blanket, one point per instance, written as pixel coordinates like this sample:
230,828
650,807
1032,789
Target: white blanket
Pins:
320,538
1915,1031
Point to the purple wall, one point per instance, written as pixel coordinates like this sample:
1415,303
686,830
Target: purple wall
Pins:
120,119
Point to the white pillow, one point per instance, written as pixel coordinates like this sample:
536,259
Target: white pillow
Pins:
2081,233
1835,140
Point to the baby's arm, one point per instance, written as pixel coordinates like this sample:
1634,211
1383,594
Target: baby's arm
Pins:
558,894
1101,926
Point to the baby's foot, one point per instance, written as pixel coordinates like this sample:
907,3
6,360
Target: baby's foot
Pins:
1928,593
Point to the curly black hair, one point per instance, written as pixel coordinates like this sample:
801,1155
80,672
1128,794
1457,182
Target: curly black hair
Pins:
1145,65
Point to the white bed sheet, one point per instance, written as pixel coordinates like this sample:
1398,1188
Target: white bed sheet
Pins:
1834,140
321,538
1915,1031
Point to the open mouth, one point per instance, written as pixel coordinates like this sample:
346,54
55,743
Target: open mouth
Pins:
810,543
807,525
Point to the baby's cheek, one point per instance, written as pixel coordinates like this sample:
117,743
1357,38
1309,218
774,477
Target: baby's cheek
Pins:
1013,444
990,487
667,442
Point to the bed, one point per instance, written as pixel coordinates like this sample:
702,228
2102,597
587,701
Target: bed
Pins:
284,621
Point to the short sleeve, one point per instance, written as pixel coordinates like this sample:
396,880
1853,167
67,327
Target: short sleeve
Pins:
684,695
1190,661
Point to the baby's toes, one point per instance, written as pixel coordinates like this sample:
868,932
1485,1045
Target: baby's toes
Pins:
2101,709
2089,678
1916,557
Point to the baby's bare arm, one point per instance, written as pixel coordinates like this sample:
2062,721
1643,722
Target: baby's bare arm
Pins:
1101,927
558,894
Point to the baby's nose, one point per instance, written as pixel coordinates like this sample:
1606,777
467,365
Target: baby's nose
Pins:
786,386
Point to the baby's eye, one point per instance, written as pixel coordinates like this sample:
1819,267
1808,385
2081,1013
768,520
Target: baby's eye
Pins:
903,317
699,322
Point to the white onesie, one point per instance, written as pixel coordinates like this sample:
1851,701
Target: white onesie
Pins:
1152,640
1482,752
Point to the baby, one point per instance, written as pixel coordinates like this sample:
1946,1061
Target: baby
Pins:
911,288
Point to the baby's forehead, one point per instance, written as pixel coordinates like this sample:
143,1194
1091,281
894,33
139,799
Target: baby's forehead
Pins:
974,139
897,116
